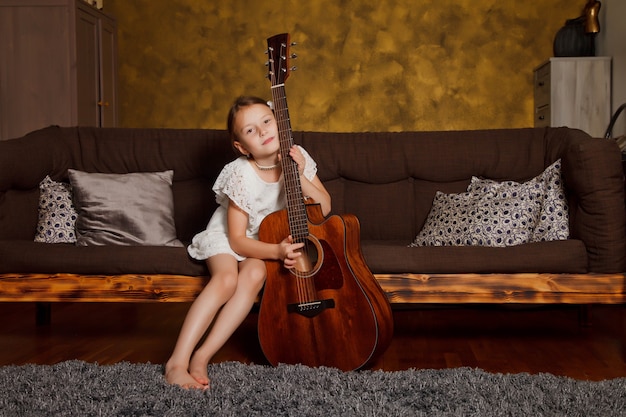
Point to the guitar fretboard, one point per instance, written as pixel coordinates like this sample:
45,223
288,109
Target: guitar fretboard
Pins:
296,209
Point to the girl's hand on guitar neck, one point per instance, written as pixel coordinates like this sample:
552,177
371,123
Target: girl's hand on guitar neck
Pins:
289,252
312,189
297,156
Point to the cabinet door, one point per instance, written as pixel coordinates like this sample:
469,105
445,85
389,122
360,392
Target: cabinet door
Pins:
108,73
36,86
87,65
581,94
96,59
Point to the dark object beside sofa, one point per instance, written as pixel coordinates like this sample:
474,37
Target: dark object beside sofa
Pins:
387,179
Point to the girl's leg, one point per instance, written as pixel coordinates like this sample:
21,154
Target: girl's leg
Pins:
251,278
219,290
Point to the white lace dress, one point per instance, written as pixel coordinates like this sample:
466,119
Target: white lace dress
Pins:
240,183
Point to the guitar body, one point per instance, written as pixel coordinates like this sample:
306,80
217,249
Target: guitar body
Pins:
345,322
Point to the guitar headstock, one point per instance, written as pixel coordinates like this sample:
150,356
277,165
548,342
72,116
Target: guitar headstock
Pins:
278,58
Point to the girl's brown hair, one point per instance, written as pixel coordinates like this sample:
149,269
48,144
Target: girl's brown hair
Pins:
240,102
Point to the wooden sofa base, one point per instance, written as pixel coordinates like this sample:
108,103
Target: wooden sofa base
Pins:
522,288
401,289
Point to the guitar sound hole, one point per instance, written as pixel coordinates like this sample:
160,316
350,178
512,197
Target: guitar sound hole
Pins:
311,260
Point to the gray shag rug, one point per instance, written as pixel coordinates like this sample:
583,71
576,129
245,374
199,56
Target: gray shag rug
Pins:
76,388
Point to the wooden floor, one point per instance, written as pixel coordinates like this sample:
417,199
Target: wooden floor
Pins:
497,339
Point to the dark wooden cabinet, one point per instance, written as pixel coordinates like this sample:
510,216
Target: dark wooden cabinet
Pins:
58,66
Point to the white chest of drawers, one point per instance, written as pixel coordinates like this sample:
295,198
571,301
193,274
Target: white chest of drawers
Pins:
574,92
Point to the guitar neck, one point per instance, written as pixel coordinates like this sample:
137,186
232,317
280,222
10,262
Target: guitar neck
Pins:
296,209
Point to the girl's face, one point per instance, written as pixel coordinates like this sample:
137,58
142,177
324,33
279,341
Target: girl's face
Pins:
256,131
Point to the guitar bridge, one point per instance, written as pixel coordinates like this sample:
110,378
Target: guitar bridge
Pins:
311,308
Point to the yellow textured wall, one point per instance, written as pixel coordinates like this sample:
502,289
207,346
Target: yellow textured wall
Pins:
362,65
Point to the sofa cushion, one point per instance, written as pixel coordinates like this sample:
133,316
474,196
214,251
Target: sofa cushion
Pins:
563,256
382,257
57,215
18,256
124,209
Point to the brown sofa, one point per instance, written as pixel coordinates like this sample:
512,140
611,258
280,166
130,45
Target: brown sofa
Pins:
388,180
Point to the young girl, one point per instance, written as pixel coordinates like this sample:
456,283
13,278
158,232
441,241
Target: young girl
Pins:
247,189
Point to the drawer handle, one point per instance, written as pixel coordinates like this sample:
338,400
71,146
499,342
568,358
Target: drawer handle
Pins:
542,117
541,83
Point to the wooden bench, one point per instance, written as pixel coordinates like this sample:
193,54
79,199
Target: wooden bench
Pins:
401,289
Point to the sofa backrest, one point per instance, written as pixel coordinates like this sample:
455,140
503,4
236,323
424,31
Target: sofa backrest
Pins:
196,156
389,180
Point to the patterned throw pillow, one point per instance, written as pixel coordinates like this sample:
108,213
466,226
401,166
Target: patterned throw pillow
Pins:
57,216
479,220
553,221
499,214
554,217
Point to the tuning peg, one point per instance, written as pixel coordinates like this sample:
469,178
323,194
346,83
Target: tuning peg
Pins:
293,68
294,56
293,43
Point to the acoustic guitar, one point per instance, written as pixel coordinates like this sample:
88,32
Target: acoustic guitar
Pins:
329,310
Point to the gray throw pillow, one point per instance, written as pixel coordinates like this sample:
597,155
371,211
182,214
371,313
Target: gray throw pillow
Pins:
124,209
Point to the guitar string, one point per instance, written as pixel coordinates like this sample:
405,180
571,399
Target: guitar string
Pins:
304,287
297,219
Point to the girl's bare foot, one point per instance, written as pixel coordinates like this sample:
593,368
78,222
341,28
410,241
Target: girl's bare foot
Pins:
198,370
179,376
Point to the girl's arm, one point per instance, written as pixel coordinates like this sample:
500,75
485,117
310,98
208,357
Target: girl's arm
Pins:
285,251
311,188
